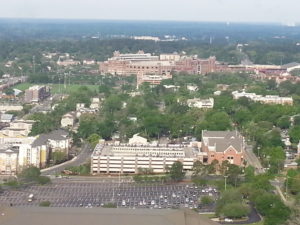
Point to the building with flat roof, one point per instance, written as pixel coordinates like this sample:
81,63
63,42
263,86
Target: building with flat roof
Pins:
268,99
130,158
152,79
100,216
201,103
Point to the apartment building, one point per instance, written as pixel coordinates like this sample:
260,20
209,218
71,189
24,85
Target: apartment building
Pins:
8,161
36,94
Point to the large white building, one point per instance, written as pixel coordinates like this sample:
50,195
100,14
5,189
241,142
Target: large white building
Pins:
130,158
268,99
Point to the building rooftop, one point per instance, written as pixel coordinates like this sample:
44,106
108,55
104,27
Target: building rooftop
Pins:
100,216
54,135
221,140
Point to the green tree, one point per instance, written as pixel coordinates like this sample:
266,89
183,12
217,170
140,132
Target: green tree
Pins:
58,157
235,210
93,139
294,133
176,171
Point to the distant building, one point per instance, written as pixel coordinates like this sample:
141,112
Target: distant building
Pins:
6,118
152,79
145,63
17,128
68,120
138,140
67,62
268,99
95,103
146,38
89,62
36,94
223,145
192,88
201,103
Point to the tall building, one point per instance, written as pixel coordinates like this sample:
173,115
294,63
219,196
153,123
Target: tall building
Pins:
36,94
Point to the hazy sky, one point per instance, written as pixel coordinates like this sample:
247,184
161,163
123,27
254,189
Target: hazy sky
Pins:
188,10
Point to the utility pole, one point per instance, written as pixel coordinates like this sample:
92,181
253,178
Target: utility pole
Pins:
225,182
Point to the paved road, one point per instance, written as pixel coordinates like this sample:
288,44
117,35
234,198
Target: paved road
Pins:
253,160
83,157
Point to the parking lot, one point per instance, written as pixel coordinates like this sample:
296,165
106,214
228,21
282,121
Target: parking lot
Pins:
66,193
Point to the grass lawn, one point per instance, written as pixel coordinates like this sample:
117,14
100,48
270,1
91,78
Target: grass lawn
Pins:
55,87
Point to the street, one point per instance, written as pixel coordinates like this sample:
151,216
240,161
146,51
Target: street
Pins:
252,159
81,158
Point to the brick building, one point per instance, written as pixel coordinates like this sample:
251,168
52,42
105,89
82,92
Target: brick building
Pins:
128,64
223,145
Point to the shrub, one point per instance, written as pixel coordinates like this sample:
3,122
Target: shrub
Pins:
45,204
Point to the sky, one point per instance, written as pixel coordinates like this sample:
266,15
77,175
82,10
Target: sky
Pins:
283,11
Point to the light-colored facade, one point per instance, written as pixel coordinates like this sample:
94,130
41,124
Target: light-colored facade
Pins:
201,103
8,161
268,99
130,158
95,103
68,120
152,79
17,128
4,108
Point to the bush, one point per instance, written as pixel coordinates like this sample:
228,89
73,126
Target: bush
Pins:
43,180
206,200
30,174
110,205
45,204
235,210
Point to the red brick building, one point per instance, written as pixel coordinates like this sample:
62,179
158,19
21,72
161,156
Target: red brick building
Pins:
132,64
223,145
